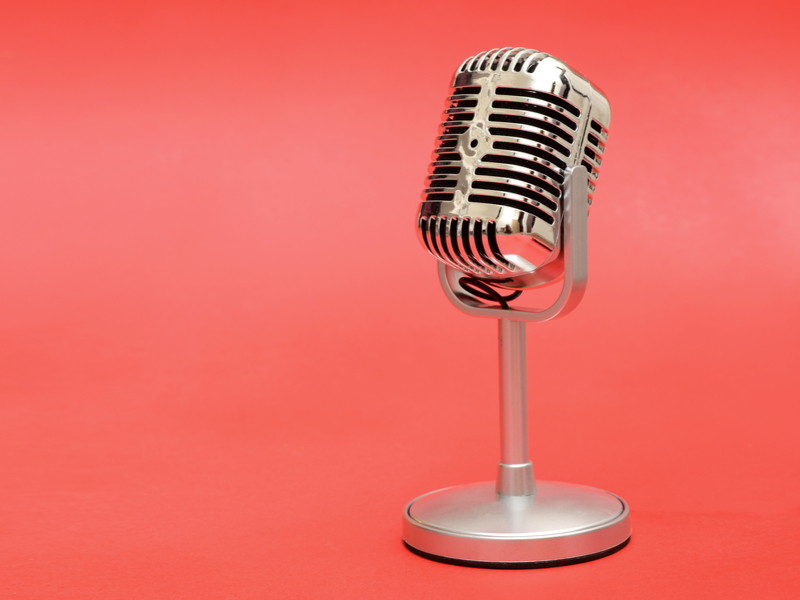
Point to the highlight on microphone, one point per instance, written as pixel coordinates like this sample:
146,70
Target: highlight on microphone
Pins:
516,121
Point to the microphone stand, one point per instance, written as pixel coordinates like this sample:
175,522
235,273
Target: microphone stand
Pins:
513,523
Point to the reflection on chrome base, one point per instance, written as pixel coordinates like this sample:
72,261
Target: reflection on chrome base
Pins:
560,524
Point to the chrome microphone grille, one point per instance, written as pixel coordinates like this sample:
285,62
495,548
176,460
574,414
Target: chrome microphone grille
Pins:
516,120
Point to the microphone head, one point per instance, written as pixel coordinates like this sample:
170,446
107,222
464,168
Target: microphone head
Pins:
515,122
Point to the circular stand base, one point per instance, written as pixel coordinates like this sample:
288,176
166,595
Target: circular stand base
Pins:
472,525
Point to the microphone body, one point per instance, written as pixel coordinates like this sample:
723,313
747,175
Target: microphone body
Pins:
517,120
506,206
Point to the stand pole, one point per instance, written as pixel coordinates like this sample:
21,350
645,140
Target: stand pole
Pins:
515,471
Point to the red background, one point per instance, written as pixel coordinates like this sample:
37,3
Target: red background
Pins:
226,363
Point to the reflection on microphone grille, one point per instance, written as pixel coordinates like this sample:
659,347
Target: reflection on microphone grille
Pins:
466,244
515,122
544,158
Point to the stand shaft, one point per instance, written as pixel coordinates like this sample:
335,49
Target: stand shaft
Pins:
515,472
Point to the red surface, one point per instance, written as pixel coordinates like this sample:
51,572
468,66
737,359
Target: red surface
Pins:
227,364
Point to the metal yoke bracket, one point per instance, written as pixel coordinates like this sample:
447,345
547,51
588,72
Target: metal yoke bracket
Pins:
574,242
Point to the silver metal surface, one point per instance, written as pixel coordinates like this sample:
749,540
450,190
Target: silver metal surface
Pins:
508,204
517,121
516,521
515,471
561,522
575,253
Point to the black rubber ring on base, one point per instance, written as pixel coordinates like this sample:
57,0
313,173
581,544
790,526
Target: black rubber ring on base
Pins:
540,564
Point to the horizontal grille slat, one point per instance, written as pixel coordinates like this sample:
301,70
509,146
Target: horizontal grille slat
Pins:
538,123
596,142
532,136
446,170
441,197
599,129
532,150
591,168
441,183
511,203
535,108
531,179
549,98
515,189
465,103
460,116
527,164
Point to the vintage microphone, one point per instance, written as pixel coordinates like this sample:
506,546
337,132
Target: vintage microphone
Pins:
505,211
